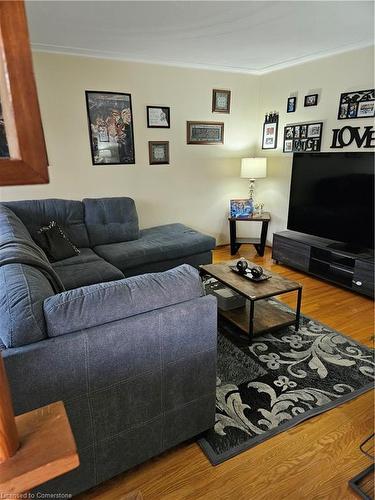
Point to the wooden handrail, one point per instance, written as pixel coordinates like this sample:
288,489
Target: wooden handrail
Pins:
9,441
34,447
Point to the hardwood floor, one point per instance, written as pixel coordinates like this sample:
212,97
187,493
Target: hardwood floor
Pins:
312,461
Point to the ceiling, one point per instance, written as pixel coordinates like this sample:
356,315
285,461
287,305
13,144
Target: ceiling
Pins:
244,36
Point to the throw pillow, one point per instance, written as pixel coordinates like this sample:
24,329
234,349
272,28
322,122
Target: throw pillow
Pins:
56,243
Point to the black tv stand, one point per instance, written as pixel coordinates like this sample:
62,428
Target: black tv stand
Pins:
326,259
348,248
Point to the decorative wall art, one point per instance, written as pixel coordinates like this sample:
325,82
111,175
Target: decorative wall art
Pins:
347,135
110,121
270,127
303,137
291,104
311,100
158,117
221,101
358,104
205,132
158,152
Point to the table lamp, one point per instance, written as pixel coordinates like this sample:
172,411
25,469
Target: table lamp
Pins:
253,168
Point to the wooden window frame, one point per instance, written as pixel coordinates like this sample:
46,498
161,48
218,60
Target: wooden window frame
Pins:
28,162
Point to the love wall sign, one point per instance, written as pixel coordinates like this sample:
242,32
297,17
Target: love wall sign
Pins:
345,136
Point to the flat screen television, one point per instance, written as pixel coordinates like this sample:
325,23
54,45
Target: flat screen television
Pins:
332,196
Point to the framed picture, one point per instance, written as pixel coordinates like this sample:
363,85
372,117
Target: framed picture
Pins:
110,121
311,100
288,146
205,132
366,109
289,132
270,127
291,104
241,208
158,117
314,130
220,101
158,152
357,104
303,137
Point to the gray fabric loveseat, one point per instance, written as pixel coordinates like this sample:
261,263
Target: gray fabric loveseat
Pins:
133,359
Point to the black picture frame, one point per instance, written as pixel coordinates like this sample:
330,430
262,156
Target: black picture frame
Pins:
114,111
303,137
271,124
151,152
310,100
291,104
351,102
161,109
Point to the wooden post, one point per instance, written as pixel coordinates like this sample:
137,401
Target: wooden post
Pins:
9,441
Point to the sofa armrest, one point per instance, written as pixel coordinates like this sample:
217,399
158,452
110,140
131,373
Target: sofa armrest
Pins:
94,305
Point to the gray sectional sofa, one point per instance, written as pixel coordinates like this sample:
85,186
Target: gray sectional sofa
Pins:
132,355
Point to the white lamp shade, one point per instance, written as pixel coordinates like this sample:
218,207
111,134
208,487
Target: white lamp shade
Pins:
253,168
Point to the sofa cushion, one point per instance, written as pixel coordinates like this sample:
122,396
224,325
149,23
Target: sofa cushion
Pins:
110,220
22,292
102,303
67,213
11,227
84,269
155,244
86,255
195,260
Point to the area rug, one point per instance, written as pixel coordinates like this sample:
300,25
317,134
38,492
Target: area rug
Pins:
279,380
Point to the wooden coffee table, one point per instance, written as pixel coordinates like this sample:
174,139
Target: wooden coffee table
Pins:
265,316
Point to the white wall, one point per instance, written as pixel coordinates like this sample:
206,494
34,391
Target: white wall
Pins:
328,77
195,189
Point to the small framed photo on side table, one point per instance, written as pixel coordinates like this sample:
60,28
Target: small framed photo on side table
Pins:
241,208
158,117
158,152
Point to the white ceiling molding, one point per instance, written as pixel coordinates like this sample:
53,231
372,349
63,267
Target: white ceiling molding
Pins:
227,69
253,37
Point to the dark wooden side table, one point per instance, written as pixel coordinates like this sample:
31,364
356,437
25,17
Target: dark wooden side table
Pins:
259,243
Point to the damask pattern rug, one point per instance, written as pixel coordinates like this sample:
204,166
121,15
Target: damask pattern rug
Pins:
279,380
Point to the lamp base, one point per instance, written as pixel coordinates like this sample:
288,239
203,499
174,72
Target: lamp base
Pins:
251,189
